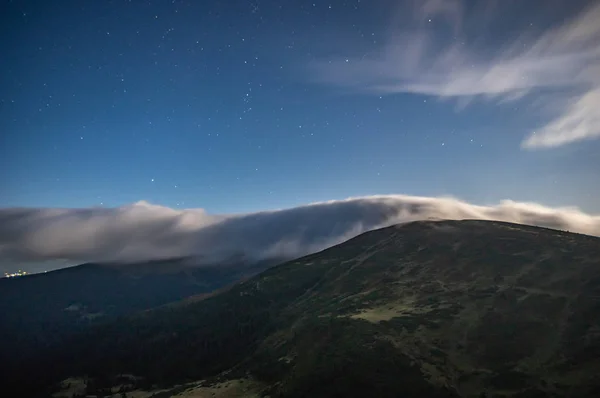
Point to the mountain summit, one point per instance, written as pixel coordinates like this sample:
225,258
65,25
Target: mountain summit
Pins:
423,309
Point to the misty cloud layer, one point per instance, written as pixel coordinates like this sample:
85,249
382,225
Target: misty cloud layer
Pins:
445,50
143,231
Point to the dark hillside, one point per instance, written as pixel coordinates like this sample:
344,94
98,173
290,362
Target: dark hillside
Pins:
425,309
42,310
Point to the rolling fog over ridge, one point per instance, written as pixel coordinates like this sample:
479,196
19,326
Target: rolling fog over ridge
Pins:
45,238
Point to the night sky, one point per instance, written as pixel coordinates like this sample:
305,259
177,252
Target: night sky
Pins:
238,106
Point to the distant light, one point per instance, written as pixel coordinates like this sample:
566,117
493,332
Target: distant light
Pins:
15,274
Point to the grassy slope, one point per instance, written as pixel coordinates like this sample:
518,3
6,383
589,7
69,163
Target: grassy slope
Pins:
430,309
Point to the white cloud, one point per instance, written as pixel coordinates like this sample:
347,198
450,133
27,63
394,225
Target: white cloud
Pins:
143,231
424,59
580,121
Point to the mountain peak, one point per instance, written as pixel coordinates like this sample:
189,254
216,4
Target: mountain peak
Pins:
426,308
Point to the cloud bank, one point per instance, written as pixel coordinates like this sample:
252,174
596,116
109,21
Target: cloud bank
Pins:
143,231
439,52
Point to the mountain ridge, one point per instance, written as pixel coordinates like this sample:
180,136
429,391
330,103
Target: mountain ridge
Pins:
431,308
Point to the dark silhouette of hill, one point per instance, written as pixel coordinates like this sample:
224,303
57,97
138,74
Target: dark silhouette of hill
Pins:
423,309
41,310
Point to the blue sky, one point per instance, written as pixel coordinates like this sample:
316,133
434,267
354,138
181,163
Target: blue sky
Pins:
270,104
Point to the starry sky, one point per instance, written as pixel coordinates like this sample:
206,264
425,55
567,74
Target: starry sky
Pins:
237,106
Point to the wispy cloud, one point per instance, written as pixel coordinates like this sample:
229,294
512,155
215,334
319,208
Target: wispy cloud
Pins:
143,231
580,121
433,55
